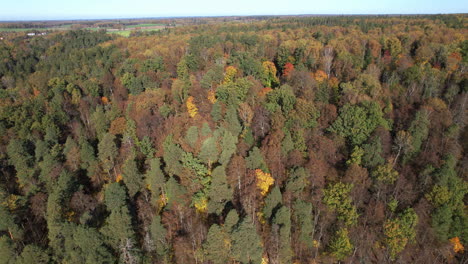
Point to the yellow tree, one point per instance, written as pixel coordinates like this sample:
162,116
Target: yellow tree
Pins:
191,107
229,75
264,181
269,74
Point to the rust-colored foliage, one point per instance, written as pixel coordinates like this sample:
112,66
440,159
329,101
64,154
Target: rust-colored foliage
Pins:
55,113
265,91
119,177
288,68
104,100
118,126
457,245
320,76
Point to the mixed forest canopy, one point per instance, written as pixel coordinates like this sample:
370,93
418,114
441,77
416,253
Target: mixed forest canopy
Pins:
256,140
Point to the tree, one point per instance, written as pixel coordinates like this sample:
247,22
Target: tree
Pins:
21,159
216,112
7,250
158,236
282,98
357,122
191,107
306,113
191,137
448,216
385,173
8,223
246,243
269,78
175,193
393,45
400,231
153,64
245,114
172,156
155,179
100,122
213,77
272,200
283,219
327,58
72,153
146,147
356,156
217,245
107,151
303,215
233,92
85,245
457,245
117,126
229,74
118,228
33,254
87,155
264,181
297,182
372,156
55,210
340,246
261,122
288,68
229,143
232,123
132,177
336,197
115,196
219,191
255,160
418,130
209,152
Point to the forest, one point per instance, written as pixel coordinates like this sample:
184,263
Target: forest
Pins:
268,140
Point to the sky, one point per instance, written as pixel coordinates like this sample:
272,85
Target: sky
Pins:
94,9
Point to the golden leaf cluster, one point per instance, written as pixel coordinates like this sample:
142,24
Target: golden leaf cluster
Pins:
231,71
320,76
264,181
211,96
191,107
119,178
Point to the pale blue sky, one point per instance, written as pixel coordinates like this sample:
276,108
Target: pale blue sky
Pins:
87,9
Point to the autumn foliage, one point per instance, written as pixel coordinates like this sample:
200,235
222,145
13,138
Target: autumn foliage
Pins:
264,181
212,140
191,107
457,245
288,68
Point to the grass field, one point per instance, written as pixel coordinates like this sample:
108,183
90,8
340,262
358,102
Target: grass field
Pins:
144,25
124,33
64,27
22,29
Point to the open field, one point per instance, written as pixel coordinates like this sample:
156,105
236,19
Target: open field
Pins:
23,29
144,25
126,32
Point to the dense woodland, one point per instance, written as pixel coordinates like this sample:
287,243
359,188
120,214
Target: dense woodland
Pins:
281,140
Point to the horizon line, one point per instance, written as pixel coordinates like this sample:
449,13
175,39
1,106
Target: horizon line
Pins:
221,16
